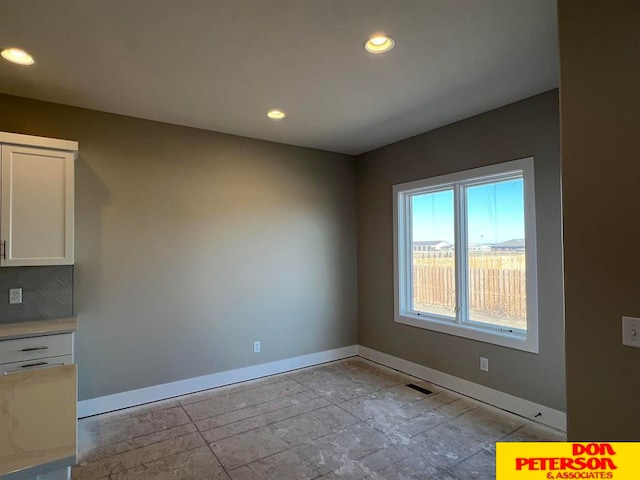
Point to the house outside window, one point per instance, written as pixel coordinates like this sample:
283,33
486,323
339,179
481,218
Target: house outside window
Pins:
465,254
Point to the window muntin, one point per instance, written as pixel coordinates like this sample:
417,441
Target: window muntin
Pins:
465,254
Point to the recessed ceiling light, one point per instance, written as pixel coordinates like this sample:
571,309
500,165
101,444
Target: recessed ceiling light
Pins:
276,114
379,43
17,55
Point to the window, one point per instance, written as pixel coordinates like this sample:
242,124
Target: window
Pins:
465,254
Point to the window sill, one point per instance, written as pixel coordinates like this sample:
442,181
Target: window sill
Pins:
509,340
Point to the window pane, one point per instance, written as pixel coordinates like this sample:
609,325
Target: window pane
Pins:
496,254
433,257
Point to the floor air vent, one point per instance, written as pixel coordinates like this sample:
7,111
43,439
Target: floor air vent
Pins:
420,389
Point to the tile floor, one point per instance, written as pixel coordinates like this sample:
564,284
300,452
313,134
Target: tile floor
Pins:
349,419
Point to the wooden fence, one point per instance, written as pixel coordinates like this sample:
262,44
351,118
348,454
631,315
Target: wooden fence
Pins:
497,285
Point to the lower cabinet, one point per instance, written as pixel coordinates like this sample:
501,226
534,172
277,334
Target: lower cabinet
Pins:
38,398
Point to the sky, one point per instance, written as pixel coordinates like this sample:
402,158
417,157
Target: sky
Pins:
495,212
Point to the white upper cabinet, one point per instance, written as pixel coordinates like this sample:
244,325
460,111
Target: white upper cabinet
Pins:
36,226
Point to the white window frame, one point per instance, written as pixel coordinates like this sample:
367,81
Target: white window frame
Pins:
526,340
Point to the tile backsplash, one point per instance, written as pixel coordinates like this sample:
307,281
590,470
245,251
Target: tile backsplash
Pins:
47,292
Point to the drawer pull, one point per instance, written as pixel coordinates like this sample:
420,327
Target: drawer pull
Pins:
37,364
34,349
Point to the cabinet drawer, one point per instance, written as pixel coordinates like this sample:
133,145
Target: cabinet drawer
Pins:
17,367
24,349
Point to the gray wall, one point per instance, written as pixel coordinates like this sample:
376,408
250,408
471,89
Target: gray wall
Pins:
47,292
526,128
190,245
600,74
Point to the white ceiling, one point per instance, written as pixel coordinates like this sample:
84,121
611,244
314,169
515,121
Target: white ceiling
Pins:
221,64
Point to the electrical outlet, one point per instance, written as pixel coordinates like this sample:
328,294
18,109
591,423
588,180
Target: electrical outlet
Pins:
256,347
484,364
15,295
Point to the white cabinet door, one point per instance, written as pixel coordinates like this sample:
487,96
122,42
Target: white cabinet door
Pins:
37,206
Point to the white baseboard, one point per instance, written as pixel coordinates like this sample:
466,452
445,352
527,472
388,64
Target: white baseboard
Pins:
520,406
141,396
505,401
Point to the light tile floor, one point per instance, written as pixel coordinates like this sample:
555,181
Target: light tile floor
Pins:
349,419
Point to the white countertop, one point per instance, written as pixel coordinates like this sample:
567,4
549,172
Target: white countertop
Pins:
37,328
37,419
